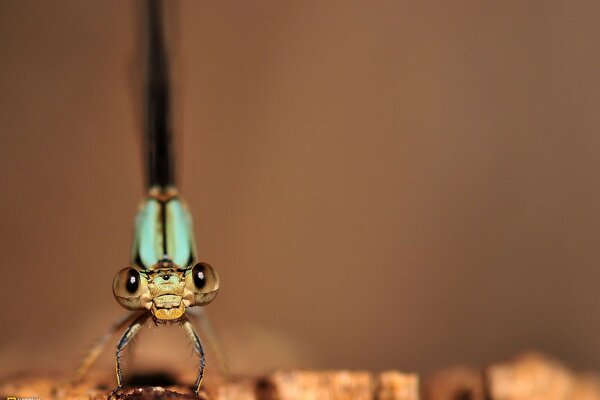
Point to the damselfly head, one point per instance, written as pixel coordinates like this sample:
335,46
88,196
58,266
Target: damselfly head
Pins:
166,290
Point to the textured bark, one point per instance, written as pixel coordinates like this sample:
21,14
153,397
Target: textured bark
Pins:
393,385
537,377
527,377
460,383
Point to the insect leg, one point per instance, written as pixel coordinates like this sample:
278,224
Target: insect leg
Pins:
197,314
96,350
131,331
189,329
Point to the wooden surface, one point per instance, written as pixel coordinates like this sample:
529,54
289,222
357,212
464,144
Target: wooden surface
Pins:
529,376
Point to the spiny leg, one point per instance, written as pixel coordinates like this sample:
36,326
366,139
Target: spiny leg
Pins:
189,329
96,350
131,331
198,315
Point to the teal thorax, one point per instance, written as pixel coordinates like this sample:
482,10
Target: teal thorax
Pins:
163,231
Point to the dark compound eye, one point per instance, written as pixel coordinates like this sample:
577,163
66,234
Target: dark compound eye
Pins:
202,280
133,281
199,274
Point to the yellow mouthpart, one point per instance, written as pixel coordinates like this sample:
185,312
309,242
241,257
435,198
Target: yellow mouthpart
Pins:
168,314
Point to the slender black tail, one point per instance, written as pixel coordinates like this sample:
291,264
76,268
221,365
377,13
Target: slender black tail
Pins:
159,138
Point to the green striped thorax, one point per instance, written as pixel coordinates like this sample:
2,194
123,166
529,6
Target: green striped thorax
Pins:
163,277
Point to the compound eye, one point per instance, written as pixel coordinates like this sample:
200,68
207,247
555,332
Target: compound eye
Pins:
133,281
128,286
203,281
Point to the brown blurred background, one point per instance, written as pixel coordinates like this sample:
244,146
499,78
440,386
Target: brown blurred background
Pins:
380,184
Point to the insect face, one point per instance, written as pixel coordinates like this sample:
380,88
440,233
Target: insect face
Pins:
166,290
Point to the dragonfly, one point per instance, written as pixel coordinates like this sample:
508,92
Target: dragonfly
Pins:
163,279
